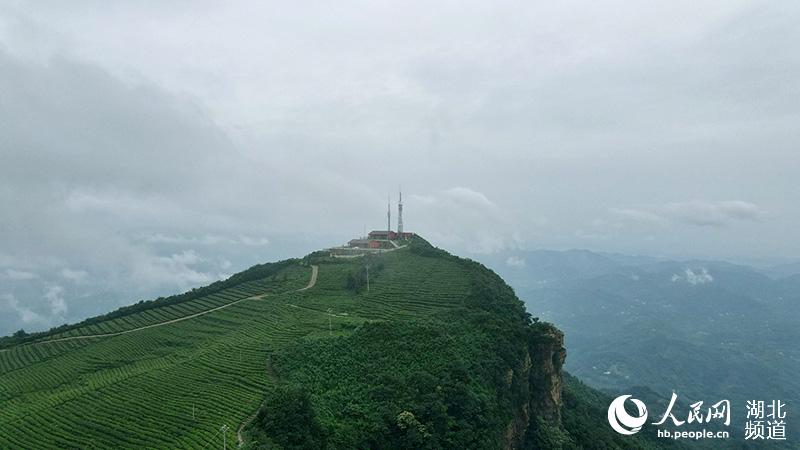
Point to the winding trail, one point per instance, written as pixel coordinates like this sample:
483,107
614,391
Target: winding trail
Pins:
246,422
251,417
311,283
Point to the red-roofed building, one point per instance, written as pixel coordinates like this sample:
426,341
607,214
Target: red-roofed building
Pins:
383,234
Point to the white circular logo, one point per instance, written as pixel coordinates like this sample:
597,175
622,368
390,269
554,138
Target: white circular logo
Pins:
621,421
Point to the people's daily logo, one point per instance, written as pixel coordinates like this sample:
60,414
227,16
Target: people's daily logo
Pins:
766,419
621,421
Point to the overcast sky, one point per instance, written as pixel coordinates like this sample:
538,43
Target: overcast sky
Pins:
148,147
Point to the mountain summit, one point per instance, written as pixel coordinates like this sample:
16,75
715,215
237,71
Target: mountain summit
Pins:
408,348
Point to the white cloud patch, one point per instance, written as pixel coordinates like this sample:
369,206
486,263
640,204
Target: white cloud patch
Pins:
114,202
47,314
208,239
637,215
255,241
25,314
468,197
55,298
515,261
702,213
13,274
76,276
187,258
694,278
174,270
465,218
695,212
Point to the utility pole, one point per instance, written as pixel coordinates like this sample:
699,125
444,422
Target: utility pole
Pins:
224,430
330,323
367,277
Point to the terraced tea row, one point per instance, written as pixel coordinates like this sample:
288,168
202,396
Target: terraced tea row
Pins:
173,386
31,353
214,365
295,279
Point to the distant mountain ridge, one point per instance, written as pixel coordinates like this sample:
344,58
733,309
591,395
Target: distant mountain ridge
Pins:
707,329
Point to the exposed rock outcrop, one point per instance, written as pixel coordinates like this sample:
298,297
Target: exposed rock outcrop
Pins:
536,384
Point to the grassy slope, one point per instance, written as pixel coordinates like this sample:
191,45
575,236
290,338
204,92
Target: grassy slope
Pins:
174,386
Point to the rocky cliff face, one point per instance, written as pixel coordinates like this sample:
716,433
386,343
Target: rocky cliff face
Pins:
537,383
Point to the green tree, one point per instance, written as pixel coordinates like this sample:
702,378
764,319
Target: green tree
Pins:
289,420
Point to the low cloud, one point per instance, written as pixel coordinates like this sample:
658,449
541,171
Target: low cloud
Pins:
702,213
637,215
48,313
465,218
695,212
174,270
256,241
692,277
515,261
208,239
467,196
25,314
55,298
76,276
13,274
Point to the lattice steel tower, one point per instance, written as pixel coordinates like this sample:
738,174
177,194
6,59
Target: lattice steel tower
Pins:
388,217
400,215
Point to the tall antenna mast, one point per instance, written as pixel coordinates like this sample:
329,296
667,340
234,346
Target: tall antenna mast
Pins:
388,217
400,215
